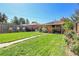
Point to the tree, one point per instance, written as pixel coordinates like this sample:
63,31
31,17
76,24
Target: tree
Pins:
75,17
22,20
15,20
27,21
0,17
68,25
71,36
4,18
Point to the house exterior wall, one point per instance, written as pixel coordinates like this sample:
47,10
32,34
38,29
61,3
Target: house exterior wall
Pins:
49,28
0,28
76,27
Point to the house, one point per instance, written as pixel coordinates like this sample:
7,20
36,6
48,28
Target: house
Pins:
55,26
30,27
4,28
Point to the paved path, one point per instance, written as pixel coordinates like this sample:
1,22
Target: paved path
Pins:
10,43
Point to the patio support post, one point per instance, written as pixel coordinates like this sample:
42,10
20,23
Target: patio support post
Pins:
55,26
61,29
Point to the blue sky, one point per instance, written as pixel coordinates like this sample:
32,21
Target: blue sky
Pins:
41,13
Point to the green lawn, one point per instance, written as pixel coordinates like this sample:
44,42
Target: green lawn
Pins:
45,45
7,37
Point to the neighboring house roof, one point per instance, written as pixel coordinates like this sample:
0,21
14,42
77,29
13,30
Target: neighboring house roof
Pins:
29,24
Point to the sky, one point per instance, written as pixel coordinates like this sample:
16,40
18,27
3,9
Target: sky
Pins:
40,12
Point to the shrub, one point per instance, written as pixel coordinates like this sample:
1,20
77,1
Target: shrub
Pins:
44,30
18,29
55,30
74,43
40,30
75,48
10,29
70,34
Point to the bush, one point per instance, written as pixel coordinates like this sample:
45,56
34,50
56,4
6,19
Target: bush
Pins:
70,34
74,43
77,37
40,30
75,48
44,30
55,30
10,29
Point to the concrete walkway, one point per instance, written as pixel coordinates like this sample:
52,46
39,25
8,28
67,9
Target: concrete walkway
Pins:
10,43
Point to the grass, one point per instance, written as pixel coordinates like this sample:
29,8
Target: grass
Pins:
46,45
7,37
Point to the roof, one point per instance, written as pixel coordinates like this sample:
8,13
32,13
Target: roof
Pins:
29,24
55,23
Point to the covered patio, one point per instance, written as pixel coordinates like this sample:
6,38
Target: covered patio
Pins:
54,27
